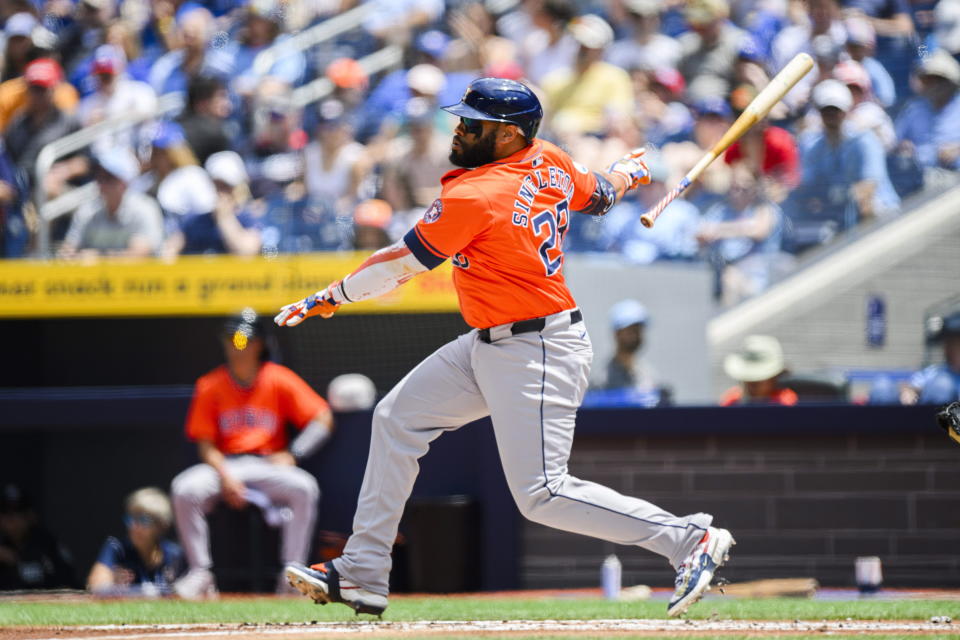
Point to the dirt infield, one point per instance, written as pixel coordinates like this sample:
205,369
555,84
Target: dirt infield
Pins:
377,629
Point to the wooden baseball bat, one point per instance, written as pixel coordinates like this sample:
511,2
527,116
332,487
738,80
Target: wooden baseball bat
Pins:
758,108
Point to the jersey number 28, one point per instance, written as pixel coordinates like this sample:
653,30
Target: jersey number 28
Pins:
556,221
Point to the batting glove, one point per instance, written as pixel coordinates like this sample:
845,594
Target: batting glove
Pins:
319,304
632,168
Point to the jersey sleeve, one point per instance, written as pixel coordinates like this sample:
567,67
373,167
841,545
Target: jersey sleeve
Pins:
584,184
301,403
111,553
202,416
449,225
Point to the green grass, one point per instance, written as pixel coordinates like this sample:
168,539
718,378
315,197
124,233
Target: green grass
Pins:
406,609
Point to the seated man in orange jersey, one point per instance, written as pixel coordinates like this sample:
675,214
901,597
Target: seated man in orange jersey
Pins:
238,419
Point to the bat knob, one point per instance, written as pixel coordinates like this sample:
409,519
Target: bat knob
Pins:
646,220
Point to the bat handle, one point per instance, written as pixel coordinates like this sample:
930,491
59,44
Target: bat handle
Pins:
651,216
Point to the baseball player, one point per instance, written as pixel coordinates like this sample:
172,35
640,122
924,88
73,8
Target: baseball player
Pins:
238,419
501,220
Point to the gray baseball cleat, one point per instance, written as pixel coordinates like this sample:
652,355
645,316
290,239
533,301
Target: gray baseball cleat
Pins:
323,584
696,571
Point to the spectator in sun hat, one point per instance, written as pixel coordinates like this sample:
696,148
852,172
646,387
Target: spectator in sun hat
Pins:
121,221
757,367
927,125
710,48
142,563
115,95
40,123
646,46
584,98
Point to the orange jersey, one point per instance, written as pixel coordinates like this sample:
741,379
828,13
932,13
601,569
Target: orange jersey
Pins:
503,226
251,420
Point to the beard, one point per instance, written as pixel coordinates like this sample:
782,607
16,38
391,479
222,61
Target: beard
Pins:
479,154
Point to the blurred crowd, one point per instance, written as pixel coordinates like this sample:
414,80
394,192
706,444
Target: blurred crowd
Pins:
246,164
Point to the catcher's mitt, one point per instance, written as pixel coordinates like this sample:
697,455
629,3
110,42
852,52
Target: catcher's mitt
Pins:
949,419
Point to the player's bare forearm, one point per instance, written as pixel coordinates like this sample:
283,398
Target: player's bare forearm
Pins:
381,273
209,454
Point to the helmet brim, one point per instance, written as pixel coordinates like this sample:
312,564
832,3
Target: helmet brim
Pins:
466,111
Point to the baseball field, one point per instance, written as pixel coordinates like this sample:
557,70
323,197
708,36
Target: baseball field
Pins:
575,614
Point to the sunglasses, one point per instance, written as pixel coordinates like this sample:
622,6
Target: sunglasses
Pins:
141,519
471,125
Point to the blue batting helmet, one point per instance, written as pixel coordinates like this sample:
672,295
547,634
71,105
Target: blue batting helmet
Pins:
500,100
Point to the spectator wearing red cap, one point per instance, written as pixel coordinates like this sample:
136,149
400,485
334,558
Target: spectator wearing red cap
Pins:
350,82
19,50
116,95
370,221
40,123
85,32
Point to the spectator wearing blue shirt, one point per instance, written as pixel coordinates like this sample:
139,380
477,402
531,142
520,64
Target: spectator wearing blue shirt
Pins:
844,174
261,29
742,237
672,238
142,563
928,124
14,235
200,54
939,383
861,44
203,219
896,38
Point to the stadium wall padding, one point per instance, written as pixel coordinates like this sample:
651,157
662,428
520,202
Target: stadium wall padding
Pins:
805,489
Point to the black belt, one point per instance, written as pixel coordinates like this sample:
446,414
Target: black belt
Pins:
526,326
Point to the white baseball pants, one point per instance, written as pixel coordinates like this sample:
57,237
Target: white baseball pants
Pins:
531,385
197,490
